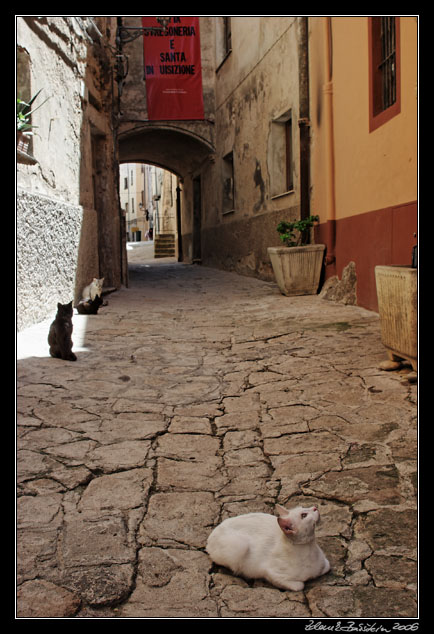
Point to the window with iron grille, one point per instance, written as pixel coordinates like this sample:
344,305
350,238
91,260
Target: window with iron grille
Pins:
385,99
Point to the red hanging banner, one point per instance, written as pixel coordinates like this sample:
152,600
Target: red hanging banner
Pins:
173,70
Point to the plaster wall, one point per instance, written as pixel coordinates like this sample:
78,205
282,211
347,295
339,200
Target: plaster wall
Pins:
256,85
373,170
374,173
59,70
381,169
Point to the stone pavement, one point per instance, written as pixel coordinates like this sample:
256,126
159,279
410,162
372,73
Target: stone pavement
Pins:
200,394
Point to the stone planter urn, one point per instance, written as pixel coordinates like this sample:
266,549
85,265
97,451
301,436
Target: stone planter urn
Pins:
397,306
297,269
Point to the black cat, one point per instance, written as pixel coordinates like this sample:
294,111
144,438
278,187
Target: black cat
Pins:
59,336
89,306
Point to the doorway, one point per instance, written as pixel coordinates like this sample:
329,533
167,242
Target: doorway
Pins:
197,220
148,199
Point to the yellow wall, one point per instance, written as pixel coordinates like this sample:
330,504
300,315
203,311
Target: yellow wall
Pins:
372,170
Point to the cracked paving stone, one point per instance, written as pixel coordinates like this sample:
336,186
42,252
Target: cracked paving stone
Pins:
100,585
74,453
32,464
389,531
238,602
95,541
181,518
190,424
304,466
36,552
378,484
304,443
42,599
171,583
190,475
42,438
37,511
63,414
237,421
392,572
361,602
128,427
125,490
123,455
187,446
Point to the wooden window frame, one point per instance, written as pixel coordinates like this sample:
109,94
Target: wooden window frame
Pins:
224,41
288,147
378,115
281,167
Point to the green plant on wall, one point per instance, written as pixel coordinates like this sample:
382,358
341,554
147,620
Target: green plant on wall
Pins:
24,112
294,234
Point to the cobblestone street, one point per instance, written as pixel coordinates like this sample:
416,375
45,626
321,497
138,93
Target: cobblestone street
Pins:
199,394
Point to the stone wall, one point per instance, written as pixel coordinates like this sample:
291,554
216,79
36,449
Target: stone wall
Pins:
241,246
48,235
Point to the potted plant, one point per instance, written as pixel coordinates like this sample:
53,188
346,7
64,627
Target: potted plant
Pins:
24,127
297,265
397,307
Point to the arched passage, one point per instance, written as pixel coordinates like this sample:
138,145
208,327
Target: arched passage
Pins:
183,152
171,147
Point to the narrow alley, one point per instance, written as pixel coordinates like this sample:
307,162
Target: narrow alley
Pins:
200,394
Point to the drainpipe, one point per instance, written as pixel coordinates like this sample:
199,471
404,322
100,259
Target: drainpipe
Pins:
178,222
303,121
330,259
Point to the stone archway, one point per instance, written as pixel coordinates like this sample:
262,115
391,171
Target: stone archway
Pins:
183,151
172,147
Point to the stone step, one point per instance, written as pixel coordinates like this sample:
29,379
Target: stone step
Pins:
164,245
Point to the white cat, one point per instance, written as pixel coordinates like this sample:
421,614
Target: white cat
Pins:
93,289
281,549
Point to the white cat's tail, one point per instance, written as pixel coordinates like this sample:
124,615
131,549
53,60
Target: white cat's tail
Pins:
227,548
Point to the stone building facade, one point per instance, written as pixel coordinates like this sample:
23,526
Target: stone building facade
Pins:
364,144
134,201
69,227
254,181
148,197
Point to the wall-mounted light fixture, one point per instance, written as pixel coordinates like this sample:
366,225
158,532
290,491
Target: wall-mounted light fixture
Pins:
125,34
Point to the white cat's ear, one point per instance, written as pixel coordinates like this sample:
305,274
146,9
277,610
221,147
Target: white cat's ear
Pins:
281,510
286,525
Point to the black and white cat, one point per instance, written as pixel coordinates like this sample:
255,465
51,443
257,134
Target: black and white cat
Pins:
282,550
89,306
59,336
